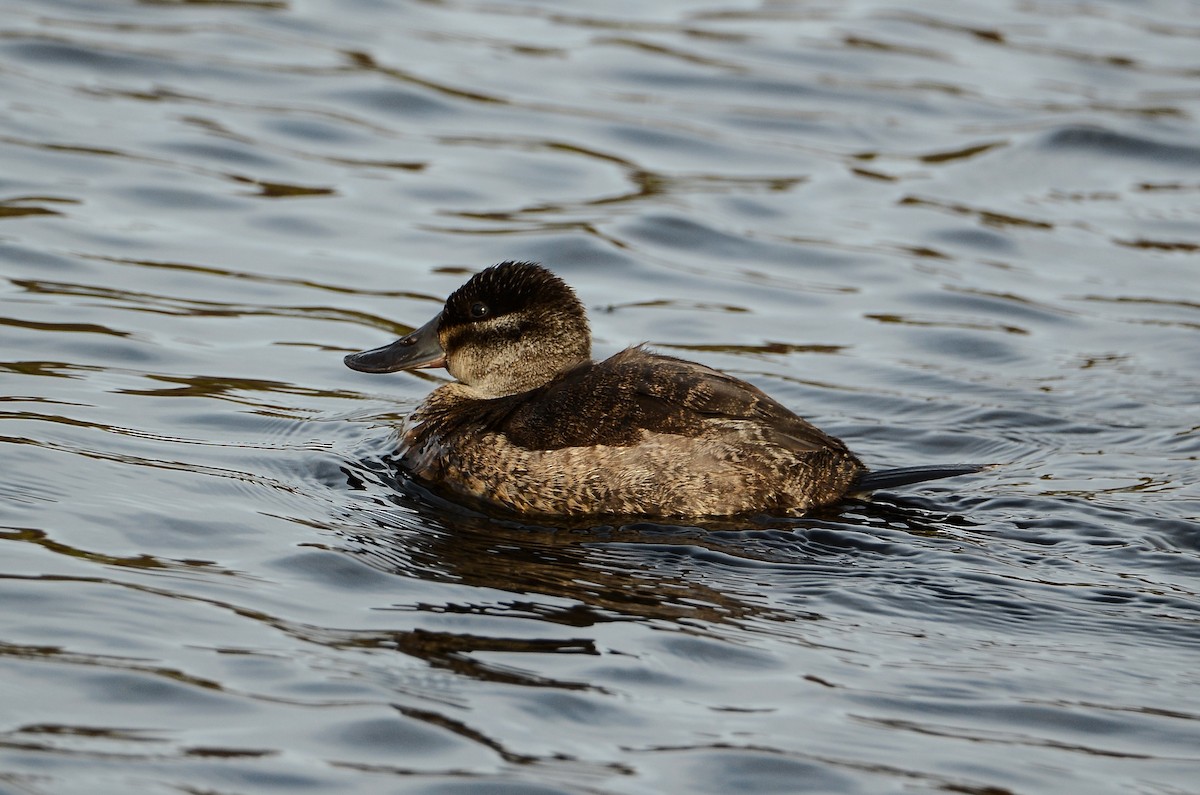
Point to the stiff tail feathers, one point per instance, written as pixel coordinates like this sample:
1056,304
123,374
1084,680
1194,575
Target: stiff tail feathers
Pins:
891,478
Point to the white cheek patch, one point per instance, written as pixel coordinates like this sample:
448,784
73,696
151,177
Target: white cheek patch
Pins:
485,351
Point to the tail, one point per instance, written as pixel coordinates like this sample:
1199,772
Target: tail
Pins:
890,478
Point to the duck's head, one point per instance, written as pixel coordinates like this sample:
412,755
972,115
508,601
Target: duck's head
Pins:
509,329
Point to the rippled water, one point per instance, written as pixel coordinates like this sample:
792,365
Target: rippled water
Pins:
949,231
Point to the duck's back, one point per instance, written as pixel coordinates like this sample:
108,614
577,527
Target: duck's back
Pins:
639,433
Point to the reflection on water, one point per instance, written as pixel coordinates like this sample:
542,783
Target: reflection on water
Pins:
953,232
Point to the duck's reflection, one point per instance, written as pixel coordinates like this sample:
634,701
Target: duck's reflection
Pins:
711,581
583,574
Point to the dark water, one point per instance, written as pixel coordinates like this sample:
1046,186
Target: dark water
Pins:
944,231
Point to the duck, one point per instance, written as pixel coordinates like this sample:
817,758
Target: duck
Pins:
532,426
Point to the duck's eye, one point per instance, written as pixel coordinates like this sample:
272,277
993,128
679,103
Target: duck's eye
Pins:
479,309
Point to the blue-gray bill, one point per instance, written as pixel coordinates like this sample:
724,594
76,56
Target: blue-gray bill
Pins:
420,349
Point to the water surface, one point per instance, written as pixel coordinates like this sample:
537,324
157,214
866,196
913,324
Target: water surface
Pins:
943,231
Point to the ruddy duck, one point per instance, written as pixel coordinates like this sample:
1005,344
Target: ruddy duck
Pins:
533,426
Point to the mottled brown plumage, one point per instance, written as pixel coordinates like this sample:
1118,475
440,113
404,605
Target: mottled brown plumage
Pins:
532,425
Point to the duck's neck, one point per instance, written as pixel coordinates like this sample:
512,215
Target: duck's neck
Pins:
515,377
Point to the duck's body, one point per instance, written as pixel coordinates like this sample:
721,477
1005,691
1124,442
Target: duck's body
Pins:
636,434
534,426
